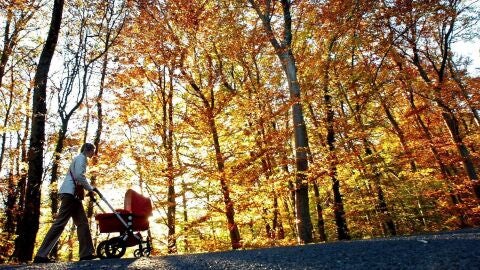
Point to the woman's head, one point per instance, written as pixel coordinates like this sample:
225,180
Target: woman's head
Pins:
88,149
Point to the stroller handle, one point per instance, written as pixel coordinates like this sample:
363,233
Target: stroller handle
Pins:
103,199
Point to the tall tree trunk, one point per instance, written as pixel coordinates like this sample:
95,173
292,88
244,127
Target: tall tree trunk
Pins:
208,105
28,227
98,132
338,209
8,109
7,46
54,173
304,223
168,145
319,209
22,182
16,177
54,178
284,52
340,220
229,208
8,43
451,122
185,216
10,206
318,206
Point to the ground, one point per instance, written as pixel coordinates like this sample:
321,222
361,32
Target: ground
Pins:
448,250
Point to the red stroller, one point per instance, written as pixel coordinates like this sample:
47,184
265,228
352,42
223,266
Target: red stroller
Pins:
128,222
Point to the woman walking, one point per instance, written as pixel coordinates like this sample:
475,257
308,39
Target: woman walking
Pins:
71,207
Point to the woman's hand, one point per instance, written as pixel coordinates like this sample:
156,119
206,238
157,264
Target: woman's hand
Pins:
91,194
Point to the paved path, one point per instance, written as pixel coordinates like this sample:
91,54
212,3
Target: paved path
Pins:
450,250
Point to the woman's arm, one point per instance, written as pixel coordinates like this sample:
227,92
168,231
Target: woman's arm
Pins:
80,168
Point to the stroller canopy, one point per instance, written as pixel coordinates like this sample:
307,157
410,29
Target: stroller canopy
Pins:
137,204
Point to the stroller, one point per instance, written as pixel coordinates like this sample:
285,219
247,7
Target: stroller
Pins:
128,222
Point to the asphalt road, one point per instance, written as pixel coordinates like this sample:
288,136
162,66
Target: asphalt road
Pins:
449,250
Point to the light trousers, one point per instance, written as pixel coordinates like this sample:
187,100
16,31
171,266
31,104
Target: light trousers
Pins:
70,207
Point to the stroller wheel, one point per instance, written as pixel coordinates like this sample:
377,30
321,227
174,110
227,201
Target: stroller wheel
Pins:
141,253
137,253
115,248
101,250
146,252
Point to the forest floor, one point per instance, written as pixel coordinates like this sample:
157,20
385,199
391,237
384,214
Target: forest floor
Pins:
446,250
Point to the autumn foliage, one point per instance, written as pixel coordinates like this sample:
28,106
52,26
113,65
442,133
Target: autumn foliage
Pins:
230,115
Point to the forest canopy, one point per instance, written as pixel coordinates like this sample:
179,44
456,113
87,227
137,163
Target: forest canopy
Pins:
248,123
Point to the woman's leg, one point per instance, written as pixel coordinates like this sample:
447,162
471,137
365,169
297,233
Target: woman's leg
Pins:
83,231
66,208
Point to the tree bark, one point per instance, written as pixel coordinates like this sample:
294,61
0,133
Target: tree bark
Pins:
54,177
304,223
451,122
29,224
284,53
185,217
22,182
8,110
99,104
10,206
338,209
54,173
98,132
168,146
318,206
229,208
3,63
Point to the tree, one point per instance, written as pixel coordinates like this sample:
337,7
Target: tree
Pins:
28,226
112,22
283,49
429,50
17,19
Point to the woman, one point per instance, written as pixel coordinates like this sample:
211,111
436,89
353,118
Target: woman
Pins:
71,207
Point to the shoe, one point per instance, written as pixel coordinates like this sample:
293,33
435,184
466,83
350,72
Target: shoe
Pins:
39,259
89,257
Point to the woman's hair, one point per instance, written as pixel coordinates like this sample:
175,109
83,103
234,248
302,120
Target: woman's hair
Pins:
87,147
